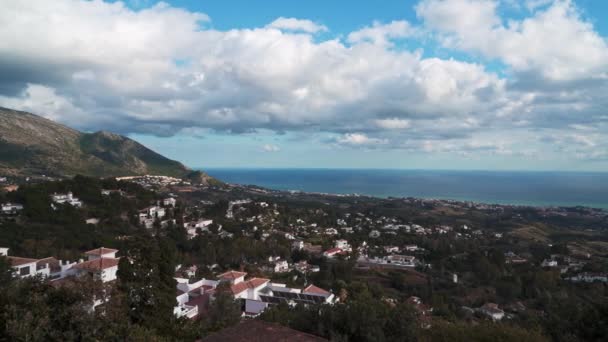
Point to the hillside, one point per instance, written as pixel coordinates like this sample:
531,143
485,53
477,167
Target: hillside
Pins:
33,145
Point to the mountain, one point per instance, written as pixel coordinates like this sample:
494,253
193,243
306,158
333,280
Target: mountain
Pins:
33,145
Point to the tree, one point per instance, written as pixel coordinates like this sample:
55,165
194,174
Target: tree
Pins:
224,311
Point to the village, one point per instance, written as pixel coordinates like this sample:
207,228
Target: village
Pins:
313,239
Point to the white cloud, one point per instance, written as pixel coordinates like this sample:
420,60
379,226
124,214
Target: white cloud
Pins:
359,139
533,44
381,34
293,24
393,123
97,65
270,148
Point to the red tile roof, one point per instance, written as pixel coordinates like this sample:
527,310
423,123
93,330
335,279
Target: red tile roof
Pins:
334,251
17,261
316,290
231,275
259,331
101,251
97,264
249,284
52,262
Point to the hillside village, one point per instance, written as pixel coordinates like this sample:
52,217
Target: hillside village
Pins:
275,254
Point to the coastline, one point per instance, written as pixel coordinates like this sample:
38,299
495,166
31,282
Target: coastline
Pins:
521,188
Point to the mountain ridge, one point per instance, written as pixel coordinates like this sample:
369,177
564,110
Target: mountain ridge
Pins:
33,145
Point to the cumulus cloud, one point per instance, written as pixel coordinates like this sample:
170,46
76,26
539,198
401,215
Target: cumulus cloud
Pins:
270,148
162,70
359,139
533,44
393,123
380,33
294,24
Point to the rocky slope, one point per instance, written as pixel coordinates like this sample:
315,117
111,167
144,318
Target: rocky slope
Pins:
33,145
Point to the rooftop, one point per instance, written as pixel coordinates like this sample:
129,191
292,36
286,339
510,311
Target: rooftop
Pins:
231,275
17,261
101,251
258,331
249,284
97,264
316,290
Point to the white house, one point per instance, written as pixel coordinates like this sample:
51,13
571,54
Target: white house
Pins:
297,245
391,249
278,266
374,234
549,263
260,293
492,311
102,264
26,267
193,296
66,199
169,202
343,245
333,252
155,211
401,260
192,227
11,208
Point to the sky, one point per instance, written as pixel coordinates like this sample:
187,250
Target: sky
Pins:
428,84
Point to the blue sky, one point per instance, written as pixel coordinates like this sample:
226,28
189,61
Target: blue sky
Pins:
440,84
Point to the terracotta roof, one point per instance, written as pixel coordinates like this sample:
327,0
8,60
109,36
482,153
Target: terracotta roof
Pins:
97,264
17,261
259,331
333,251
231,275
101,251
52,262
316,290
249,284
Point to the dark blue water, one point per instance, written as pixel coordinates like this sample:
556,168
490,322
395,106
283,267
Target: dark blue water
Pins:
523,188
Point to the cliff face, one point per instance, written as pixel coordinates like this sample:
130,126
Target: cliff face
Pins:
32,145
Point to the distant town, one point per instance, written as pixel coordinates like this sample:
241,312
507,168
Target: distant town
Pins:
271,251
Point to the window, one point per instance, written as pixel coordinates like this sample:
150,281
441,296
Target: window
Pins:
23,271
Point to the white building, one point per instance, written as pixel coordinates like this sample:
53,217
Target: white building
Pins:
549,263
169,202
101,264
66,199
333,252
11,208
401,260
193,227
343,245
193,296
155,212
492,311
410,248
297,245
260,293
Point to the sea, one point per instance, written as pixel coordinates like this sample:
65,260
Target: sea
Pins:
528,188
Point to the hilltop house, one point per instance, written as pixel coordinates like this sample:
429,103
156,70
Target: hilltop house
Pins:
169,202
193,227
276,265
101,264
11,208
492,311
260,293
66,199
193,297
